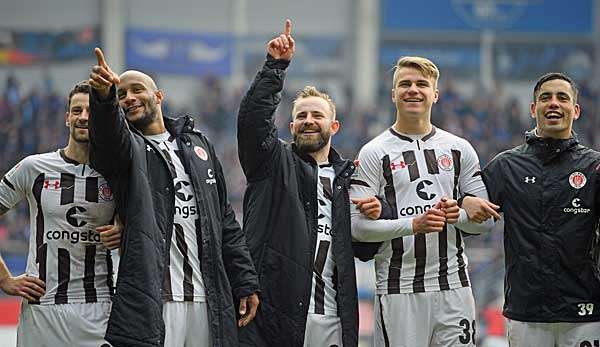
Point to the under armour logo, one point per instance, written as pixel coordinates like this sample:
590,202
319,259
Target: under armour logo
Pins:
51,184
149,149
399,165
530,180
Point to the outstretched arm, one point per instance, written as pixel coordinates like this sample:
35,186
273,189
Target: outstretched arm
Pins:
110,138
257,133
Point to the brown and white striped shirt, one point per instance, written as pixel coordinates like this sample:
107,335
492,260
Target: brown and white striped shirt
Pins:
413,173
67,201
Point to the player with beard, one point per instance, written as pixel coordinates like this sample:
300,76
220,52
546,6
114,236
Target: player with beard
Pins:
297,214
184,253
68,282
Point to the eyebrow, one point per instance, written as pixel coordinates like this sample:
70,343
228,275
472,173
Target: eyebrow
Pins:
557,93
133,85
417,81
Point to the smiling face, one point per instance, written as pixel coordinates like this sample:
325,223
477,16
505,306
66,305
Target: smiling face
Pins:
413,93
139,98
77,117
313,124
555,108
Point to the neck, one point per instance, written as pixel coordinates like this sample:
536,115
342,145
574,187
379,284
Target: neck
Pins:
77,151
322,155
156,127
413,125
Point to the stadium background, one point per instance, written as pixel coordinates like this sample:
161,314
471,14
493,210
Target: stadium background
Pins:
203,54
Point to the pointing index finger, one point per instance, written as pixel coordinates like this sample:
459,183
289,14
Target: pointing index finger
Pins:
288,27
100,56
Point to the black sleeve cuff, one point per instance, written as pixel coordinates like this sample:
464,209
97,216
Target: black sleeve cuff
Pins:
279,64
110,98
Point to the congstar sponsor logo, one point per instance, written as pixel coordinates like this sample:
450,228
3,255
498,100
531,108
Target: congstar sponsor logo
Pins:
576,207
73,236
414,210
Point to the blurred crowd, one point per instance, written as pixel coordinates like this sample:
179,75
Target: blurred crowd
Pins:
32,121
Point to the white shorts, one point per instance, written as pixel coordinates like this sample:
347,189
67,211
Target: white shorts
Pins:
186,324
79,325
525,334
323,331
444,318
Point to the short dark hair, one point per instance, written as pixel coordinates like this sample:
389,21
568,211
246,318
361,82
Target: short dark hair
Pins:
82,87
555,76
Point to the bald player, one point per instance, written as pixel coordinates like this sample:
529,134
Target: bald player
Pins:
184,254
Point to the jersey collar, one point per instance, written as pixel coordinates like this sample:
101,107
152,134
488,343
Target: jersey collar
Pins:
408,139
67,159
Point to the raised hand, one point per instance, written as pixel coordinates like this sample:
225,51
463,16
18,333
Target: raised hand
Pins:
479,210
102,77
369,206
283,46
29,287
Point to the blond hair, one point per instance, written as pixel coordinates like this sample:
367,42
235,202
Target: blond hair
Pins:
309,91
424,65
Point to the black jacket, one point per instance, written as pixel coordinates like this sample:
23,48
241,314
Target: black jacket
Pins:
280,220
549,191
140,178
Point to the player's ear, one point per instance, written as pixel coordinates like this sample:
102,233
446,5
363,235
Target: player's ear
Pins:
335,127
67,119
159,96
577,112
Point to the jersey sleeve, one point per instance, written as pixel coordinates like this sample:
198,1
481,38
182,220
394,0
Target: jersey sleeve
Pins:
470,181
366,179
13,186
366,182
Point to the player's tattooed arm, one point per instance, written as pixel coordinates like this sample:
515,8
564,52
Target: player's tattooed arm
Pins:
3,209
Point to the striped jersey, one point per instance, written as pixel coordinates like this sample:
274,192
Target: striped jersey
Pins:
183,279
67,201
324,282
413,172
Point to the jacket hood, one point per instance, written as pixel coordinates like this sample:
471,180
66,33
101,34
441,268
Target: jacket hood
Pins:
179,125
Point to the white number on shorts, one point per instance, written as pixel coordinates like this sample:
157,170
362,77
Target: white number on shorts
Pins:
585,309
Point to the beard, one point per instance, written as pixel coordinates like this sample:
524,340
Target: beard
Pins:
79,137
149,115
311,145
